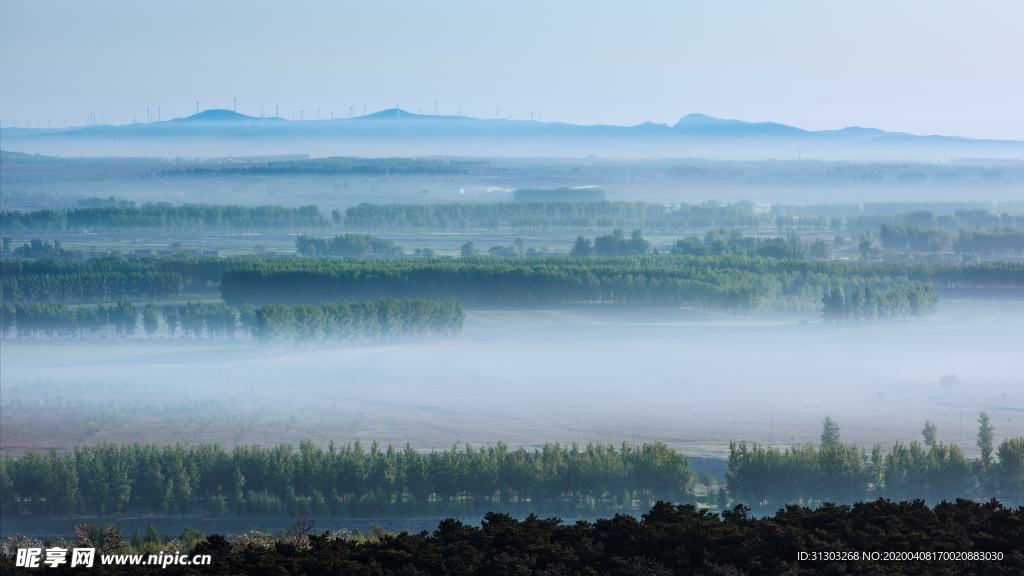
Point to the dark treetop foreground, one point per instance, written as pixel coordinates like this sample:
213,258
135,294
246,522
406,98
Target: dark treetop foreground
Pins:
667,540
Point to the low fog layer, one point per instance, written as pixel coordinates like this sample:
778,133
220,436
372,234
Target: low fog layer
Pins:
635,374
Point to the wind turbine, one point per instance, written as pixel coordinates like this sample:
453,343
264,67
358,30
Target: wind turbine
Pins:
197,107
235,107
275,112
435,108
497,114
531,115
332,118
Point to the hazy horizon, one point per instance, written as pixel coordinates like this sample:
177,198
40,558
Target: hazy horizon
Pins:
772,254
918,68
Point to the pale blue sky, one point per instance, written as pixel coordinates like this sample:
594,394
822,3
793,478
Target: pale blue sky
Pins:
925,67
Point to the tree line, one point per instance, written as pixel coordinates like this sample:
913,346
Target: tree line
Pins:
38,249
38,321
51,321
108,278
963,218
332,324
899,304
941,207
770,478
524,215
652,278
1003,241
187,217
270,481
530,215
950,216
348,246
722,241
90,286
486,280
996,241
339,323
330,166
715,283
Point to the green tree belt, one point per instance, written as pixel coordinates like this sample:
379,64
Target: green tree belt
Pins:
768,478
713,282
189,217
257,480
333,324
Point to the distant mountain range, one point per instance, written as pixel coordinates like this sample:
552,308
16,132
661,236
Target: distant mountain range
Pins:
395,132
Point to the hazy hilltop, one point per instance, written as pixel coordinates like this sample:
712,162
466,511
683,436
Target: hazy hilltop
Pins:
398,132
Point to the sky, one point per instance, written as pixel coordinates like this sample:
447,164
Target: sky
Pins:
923,67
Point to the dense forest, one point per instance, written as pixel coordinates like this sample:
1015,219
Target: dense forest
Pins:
257,481
109,278
93,286
713,282
729,282
961,537
333,324
185,218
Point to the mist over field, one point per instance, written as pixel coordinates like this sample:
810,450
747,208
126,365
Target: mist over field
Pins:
529,309
692,380
377,288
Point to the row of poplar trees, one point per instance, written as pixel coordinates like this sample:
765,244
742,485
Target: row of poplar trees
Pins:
901,304
769,478
331,324
651,278
265,481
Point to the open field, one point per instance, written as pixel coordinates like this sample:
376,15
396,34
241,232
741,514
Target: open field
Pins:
635,374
